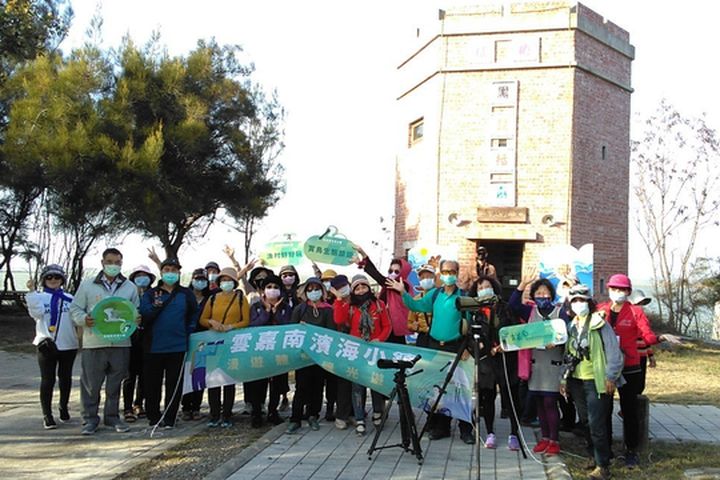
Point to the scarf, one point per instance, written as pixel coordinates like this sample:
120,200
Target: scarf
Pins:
366,322
58,296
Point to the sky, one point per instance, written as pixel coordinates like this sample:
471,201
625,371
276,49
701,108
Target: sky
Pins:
333,65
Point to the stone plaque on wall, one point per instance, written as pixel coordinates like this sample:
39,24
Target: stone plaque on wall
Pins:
501,154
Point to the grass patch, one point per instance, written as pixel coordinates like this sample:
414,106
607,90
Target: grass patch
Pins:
686,375
663,460
200,454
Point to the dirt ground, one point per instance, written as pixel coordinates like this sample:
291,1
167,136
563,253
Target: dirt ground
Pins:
17,330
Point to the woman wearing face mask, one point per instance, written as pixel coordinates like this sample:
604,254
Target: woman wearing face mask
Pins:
367,318
498,368
133,409
272,309
592,374
200,286
545,364
168,313
398,271
309,381
224,310
420,322
629,323
56,340
290,283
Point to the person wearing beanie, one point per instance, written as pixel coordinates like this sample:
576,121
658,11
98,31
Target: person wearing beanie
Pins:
309,381
225,310
55,339
133,402
168,312
399,271
366,317
630,324
272,309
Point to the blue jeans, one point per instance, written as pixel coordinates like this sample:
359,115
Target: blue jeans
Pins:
594,411
359,396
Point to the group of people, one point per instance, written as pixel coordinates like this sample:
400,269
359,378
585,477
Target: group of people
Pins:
600,356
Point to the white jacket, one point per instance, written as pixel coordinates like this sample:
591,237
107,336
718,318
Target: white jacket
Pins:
39,307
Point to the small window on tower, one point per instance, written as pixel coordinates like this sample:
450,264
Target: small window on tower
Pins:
499,143
416,131
603,152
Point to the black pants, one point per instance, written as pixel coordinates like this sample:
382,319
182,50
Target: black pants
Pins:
256,392
158,366
344,399
569,414
228,400
52,366
330,390
309,383
629,406
191,401
135,378
643,369
398,339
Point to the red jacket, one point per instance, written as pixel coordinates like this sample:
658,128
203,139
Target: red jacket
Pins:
631,325
349,316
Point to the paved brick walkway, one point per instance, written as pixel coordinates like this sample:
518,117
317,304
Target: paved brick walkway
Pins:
679,423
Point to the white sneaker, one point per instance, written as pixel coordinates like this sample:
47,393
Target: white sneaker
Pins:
360,428
377,419
341,424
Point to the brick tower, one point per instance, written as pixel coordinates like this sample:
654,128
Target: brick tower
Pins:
515,123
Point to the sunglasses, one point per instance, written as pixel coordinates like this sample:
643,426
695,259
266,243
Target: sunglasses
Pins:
394,271
53,277
287,275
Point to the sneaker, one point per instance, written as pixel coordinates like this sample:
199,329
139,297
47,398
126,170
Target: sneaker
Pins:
360,427
226,424
513,443
292,428
256,421
214,423
467,437
139,411
64,415
49,422
631,460
167,426
121,427
553,448
186,416
542,446
129,416
314,425
196,415
490,441
341,424
89,429
274,418
600,473
439,433
377,418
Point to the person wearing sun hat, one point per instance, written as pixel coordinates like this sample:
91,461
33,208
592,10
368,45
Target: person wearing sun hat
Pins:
55,338
133,401
630,324
366,317
225,310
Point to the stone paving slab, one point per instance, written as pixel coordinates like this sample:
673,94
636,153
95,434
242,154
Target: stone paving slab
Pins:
678,423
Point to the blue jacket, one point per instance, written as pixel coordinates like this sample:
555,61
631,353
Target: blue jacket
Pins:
167,327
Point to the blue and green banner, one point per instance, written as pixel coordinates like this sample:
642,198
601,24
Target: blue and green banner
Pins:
215,359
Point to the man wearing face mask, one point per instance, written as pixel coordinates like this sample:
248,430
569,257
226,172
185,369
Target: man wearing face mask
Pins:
445,331
629,323
168,313
272,309
102,361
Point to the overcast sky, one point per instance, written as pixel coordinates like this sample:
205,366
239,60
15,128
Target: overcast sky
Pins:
333,65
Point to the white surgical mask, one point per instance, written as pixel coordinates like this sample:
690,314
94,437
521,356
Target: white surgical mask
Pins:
618,297
427,283
288,280
212,277
581,309
272,293
327,285
315,295
344,291
485,293
227,286
112,271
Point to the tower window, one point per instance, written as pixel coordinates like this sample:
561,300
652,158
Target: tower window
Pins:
416,131
603,152
499,143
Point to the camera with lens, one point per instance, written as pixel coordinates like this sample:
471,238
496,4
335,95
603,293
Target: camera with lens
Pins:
472,304
572,360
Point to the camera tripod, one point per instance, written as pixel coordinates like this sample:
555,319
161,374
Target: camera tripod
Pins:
410,441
